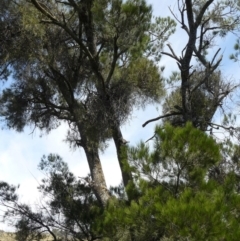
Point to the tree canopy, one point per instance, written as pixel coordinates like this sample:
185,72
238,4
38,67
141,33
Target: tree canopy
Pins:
89,63
80,67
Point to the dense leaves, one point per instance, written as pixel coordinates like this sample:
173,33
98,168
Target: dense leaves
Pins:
176,198
90,63
80,67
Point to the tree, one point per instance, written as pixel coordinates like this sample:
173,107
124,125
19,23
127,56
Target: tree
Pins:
177,200
68,206
83,68
9,31
80,67
202,87
205,100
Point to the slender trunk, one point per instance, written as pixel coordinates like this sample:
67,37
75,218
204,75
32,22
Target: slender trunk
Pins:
121,154
98,180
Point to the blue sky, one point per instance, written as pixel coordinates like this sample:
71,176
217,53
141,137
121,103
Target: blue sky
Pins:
20,153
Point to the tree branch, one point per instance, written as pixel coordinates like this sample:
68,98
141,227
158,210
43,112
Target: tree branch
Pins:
161,117
64,26
190,14
114,60
173,55
202,12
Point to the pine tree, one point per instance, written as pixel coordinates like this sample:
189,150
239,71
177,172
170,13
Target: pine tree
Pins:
80,67
89,63
176,198
201,88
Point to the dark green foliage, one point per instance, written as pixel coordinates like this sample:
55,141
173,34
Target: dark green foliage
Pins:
7,192
78,61
55,74
174,197
9,31
89,63
70,196
176,200
68,205
180,156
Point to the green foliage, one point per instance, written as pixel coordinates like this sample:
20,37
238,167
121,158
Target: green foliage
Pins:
79,67
207,94
70,196
89,63
68,205
174,197
197,208
50,76
161,30
180,155
7,192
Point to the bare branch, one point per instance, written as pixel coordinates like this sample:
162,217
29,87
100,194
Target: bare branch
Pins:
161,117
202,12
150,138
215,55
174,15
114,60
173,53
201,57
168,54
43,9
190,14
217,126
201,35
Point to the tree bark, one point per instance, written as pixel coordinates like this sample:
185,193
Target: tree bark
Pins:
98,180
121,154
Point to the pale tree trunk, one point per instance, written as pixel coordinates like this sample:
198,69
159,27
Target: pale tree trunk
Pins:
98,181
120,144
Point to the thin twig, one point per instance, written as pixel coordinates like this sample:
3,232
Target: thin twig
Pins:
150,138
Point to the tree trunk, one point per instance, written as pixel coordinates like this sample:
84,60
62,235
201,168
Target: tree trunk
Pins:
120,144
98,180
